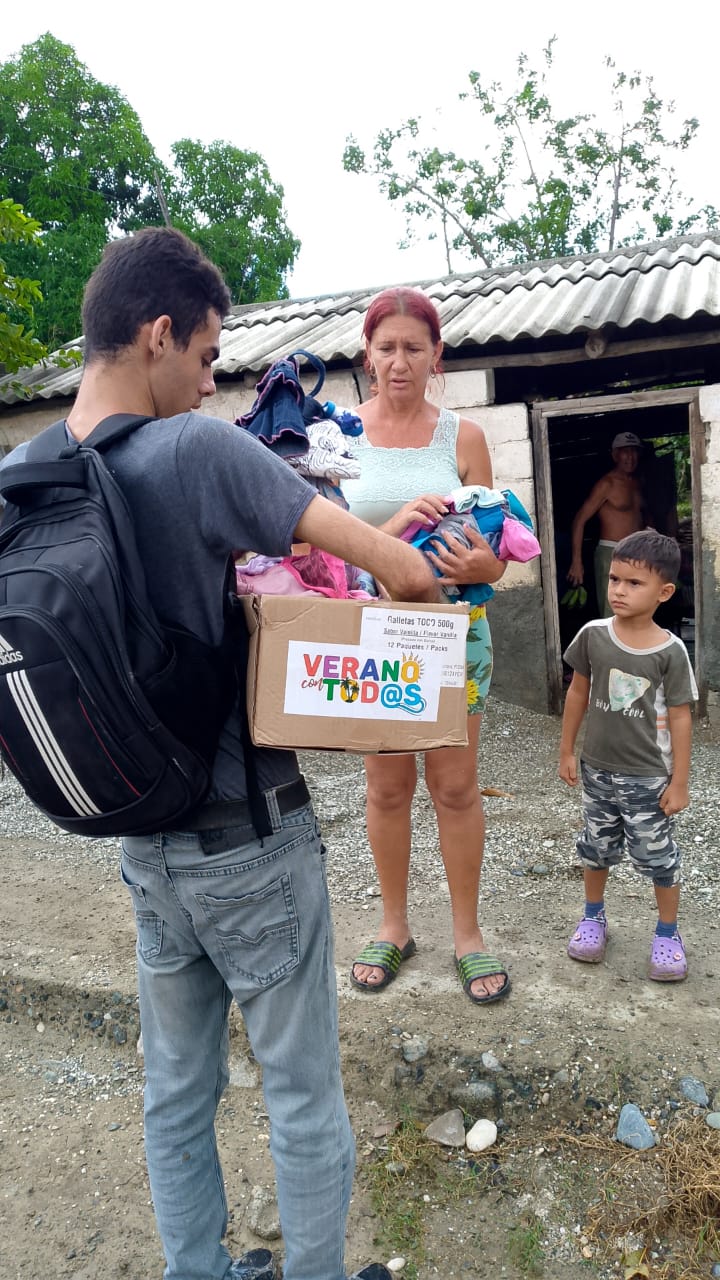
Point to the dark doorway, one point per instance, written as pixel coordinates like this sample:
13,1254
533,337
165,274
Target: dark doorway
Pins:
579,456
572,451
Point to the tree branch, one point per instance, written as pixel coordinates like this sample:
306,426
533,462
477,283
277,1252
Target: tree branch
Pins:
473,241
615,212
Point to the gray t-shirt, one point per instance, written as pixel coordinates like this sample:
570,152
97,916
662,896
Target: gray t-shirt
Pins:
198,489
627,728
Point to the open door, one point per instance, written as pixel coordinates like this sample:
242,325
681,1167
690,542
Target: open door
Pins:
571,443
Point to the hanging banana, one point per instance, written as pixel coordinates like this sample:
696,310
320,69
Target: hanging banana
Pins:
575,598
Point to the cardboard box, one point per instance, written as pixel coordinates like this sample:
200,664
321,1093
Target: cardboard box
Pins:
356,675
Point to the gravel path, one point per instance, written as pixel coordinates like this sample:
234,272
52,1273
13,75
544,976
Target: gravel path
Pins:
570,1045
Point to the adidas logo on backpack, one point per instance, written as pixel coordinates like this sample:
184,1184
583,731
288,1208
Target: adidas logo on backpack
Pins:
112,721
8,655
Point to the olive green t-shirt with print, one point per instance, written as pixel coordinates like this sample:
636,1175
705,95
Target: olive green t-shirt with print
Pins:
627,729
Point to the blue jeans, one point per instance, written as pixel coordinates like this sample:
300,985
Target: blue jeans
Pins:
251,923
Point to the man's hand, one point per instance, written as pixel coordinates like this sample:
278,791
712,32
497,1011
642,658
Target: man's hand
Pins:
576,573
402,569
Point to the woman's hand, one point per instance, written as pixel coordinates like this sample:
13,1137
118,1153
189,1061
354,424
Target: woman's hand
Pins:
460,565
426,510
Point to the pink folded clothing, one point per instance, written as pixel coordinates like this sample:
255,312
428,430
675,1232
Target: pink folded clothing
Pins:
517,542
498,514
318,573
276,580
418,526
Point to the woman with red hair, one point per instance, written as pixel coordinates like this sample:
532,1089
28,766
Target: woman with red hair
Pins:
411,454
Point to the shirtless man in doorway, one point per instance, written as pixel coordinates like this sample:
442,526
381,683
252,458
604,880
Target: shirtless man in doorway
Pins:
616,499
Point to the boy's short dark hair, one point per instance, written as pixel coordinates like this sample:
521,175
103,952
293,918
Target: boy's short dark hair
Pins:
155,272
652,549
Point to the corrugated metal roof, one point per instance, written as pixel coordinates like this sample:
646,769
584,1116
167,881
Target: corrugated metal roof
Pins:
671,279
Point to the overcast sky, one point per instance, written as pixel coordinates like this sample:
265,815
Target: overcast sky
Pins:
291,81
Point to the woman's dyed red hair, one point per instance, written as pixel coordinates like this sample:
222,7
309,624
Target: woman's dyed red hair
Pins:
401,302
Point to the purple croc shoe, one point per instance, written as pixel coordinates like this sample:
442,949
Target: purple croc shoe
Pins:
668,962
589,940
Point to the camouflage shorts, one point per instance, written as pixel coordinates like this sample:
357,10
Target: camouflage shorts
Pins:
623,812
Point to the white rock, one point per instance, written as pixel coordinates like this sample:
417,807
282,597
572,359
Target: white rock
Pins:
483,1134
396,1264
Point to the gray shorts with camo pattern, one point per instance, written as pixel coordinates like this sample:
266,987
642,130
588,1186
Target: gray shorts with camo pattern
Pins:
623,812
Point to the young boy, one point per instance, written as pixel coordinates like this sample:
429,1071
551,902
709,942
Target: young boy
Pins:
635,682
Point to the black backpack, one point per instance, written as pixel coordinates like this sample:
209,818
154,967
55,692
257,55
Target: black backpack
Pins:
109,719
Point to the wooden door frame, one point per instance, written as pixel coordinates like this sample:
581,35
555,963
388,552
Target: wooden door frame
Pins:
541,413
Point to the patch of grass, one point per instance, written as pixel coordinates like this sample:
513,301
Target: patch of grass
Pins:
668,1198
525,1246
669,1193
397,1181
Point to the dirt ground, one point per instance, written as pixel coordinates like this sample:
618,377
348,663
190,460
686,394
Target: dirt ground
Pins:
568,1048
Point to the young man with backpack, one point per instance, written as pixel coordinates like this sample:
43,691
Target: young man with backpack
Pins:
221,911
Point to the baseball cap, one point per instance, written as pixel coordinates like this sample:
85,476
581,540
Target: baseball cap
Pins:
627,440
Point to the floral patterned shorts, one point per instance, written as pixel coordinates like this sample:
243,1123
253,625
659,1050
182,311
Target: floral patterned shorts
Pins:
479,660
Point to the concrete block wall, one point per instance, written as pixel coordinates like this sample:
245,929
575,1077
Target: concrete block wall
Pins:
234,397
25,421
464,389
516,612
709,405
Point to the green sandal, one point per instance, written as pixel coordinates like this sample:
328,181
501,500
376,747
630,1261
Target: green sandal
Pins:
385,956
478,964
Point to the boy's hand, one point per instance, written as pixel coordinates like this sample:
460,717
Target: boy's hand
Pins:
567,769
674,799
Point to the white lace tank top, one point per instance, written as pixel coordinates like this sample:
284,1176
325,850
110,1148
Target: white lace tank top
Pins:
391,477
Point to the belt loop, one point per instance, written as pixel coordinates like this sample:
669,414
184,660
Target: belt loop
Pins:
273,810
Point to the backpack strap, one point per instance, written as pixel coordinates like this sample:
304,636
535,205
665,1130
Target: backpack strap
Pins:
237,634
113,428
48,444
53,441
39,468
51,447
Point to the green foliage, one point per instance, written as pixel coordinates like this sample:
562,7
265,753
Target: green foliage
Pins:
679,447
225,199
19,347
73,151
542,185
18,296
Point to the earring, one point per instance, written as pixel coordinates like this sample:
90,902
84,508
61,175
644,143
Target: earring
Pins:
433,373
